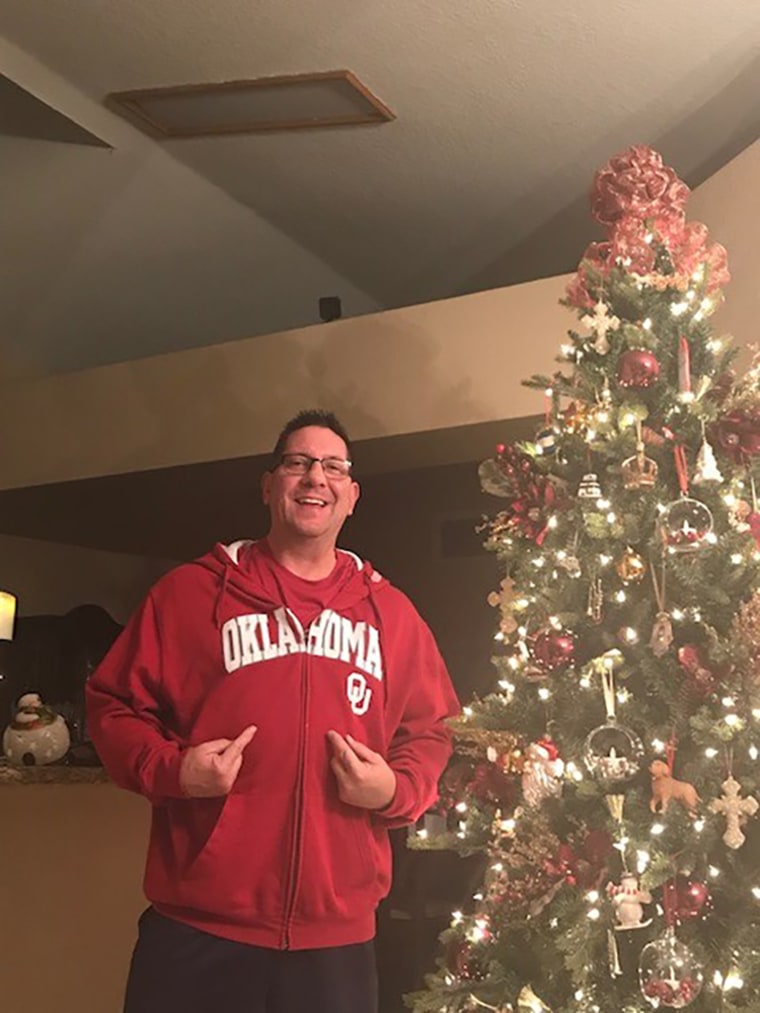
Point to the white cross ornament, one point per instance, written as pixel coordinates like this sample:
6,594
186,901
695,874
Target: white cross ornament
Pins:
735,809
600,322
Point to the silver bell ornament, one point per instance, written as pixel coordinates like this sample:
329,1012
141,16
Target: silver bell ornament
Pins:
706,469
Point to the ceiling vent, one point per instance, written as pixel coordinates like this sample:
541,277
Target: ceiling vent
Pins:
333,98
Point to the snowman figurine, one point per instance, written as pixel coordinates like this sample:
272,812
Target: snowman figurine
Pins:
627,899
36,735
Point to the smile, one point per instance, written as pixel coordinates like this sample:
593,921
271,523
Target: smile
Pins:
311,501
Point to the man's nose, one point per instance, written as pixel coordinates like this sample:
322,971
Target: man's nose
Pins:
316,473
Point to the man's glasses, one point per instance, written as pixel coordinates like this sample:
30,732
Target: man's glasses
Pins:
301,464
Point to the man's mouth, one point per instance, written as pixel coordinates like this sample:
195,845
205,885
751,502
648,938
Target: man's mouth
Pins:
311,501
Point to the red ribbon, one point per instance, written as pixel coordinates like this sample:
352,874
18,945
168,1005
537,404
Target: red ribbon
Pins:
684,366
681,468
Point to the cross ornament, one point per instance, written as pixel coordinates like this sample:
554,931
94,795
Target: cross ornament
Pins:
600,322
735,809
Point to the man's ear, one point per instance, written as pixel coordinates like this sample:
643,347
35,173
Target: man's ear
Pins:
266,485
355,493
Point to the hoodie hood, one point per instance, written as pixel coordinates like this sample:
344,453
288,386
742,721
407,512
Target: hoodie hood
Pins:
226,562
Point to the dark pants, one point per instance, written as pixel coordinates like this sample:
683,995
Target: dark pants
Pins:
178,969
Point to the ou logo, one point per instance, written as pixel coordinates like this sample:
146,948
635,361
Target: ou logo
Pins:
358,692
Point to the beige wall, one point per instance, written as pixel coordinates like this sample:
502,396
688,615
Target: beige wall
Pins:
441,365
71,886
729,204
435,366
51,579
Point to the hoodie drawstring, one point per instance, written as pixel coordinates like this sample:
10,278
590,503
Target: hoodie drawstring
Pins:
220,598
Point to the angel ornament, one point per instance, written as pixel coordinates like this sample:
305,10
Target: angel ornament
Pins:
736,811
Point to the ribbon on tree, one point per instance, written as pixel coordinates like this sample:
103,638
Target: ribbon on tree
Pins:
682,470
684,366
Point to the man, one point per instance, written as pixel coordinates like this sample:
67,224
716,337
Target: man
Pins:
282,706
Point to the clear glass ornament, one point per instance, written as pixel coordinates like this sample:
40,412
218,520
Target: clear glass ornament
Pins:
669,973
685,524
612,753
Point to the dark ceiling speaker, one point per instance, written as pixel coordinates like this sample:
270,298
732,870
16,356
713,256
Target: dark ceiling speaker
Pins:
330,308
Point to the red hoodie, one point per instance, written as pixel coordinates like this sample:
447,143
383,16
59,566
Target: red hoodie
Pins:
281,861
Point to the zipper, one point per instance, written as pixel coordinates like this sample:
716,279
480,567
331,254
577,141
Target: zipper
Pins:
296,851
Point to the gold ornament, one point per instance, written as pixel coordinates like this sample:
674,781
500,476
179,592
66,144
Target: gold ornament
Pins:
631,567
529,1002
576,418
503,599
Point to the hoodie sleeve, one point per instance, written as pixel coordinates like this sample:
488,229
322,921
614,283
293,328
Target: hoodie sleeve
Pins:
126,711
420,700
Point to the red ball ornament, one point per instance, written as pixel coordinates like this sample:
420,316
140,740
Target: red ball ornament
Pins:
554,649
685,898
638,367
462,960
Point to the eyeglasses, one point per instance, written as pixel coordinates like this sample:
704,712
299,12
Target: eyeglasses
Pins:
301,464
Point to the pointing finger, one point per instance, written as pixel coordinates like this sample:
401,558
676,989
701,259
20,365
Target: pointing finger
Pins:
235,749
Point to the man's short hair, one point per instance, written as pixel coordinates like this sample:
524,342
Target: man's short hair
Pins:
309,417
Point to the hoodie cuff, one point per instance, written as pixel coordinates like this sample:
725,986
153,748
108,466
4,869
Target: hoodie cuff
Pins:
400,811
160,777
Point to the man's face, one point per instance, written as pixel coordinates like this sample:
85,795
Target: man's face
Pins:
311,505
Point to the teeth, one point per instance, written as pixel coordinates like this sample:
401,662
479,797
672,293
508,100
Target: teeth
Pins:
313,502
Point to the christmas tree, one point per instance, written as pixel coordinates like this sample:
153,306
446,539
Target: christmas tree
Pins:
609,779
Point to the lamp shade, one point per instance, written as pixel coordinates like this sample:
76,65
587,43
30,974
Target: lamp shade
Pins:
7,615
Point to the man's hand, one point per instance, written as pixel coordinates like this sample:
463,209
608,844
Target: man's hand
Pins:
211,768
364,778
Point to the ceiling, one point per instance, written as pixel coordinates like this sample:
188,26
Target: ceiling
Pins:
504,109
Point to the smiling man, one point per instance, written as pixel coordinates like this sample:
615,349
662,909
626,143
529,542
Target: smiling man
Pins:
282,706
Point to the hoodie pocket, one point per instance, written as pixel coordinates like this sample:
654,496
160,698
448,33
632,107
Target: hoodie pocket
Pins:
228,859
343,867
